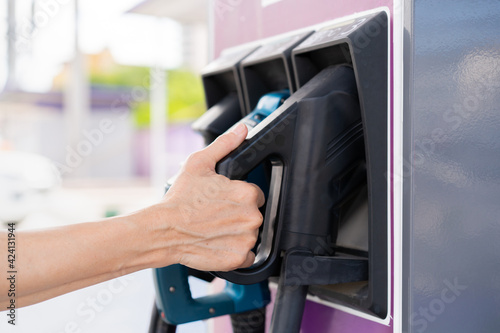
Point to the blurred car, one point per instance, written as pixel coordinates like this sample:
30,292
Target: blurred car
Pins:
25,181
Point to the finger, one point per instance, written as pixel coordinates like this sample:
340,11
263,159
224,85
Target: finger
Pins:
225,144
261,199
248,192
249,260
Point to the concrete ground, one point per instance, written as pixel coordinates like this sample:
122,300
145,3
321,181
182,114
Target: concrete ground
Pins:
122,305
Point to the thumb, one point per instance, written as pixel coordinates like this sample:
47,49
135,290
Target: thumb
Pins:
225,144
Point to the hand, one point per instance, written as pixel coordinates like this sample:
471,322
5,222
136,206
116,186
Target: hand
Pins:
216,219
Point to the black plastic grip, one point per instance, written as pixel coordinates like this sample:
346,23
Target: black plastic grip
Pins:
266,145
315,144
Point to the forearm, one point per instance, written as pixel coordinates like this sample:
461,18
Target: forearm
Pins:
56,261
46,294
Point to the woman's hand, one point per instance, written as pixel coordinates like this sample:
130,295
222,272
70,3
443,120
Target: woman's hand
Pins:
210,222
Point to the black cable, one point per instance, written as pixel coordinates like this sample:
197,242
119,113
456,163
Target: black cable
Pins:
157,325
288,308
253,321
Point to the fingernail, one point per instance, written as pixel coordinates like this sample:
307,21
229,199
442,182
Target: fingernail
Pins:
239,129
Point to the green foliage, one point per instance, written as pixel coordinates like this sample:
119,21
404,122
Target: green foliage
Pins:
118,75
185,95
184,91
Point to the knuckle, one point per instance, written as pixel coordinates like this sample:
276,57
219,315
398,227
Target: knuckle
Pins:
242,258
238,190
248,243
250,192
253,193
255,218
259,220
251,242
223,140
235,261
194,160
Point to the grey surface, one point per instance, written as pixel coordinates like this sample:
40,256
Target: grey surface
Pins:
451,198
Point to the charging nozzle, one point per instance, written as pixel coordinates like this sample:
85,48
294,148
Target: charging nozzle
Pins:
314,142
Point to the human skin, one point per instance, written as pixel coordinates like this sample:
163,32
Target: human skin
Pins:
205,221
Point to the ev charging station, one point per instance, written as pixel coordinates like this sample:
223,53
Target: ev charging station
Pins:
373,131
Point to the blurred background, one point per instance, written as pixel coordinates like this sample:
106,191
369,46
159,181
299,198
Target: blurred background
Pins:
96,103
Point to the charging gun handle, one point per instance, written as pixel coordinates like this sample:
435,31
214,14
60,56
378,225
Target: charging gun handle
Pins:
272,143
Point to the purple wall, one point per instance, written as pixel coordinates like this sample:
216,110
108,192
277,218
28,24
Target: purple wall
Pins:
181,141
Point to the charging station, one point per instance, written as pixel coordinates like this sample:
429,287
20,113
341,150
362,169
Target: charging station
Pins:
378,147
362,44
224,95
269,69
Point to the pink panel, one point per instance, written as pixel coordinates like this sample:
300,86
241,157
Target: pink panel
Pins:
242,21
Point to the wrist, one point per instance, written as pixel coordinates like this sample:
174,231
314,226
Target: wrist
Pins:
155,241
